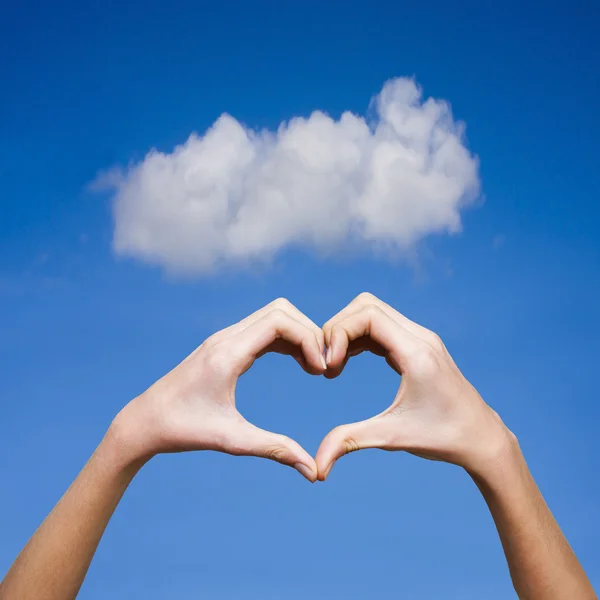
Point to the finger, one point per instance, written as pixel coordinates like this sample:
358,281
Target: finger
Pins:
254,441
279,304
356,347
371,433
366,299
288,349
397,342
248,344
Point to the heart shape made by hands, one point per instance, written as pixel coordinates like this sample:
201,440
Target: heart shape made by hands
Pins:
436,413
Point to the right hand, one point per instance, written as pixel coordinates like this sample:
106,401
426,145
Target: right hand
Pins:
193,406
436,414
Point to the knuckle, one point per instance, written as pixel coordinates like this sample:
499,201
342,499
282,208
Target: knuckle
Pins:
218,358
365,298
277,451
281,303
435,341
277,317
424,361
337,329
345,440
209,342
372,311
350,445
277,314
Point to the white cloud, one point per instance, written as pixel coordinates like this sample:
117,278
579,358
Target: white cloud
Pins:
235,195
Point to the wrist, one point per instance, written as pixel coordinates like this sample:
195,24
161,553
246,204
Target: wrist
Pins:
124,442
498,449
111,462
503,461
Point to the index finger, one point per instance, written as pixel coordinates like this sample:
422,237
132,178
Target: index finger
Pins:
279,304
397,341
247,345
366,299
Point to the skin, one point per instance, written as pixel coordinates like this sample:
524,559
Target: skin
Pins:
437,414
190,408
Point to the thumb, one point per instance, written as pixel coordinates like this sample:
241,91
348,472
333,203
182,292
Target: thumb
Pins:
274,446
345,439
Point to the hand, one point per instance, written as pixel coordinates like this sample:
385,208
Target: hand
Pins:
193,406
436,414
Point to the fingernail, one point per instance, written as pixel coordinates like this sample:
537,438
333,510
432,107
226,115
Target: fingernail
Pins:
305,471
328,356
323,362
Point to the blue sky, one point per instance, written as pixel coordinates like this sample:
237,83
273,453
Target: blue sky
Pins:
514,296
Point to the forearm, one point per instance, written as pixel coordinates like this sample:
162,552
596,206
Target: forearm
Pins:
542,564
53,564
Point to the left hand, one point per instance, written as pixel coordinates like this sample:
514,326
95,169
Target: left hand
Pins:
193,406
